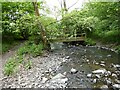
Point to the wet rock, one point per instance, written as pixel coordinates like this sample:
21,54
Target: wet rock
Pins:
59,80
112,50
72,53
117,81
73,71
65,73
50,70
99,71
104,87
117,66
108,81
109,55
103,62
87,60
98,76
96,63
89,75
114,75
67,57
94,80
46,71
64,60
58,76
44,79
107,73
102,65
116,86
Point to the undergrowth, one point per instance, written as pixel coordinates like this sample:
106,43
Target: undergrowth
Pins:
89,41
30,49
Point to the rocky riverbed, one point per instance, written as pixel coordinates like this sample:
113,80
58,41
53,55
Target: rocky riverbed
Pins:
70,67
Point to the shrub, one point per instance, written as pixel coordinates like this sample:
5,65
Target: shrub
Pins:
111,36
89,41
10,66
31,49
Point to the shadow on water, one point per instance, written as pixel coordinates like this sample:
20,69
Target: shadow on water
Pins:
85,60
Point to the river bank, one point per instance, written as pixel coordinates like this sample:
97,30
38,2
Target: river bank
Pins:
69,66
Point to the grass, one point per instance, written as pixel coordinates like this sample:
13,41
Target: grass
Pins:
31,49
28,49
7,45
10,66
90,42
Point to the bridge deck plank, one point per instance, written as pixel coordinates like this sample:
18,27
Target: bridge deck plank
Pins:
68,39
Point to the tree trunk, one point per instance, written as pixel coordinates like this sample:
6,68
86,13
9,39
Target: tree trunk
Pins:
41,27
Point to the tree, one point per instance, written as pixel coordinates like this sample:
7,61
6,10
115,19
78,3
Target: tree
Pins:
41,27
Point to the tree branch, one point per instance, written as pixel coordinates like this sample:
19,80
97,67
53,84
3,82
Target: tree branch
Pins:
73,4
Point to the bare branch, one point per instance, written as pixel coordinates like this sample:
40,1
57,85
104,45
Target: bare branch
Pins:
73,4
60,2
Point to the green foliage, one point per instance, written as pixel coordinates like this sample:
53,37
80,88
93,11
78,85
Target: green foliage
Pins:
11,13
7,44
10,66
112,36
117,48
76,23
31,49
106,26
28,65
89,41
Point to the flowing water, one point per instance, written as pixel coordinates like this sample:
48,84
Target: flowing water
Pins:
85,60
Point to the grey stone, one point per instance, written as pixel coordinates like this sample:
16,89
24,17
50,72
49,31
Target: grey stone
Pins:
108,81
116,86
114,75
89,75
94,80
109,55
117,81
102,64
44,79
104,87
58,76
73,71
67,57
98,76
99,71
117,66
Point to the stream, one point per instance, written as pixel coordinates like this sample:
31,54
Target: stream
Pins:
70,66
96,67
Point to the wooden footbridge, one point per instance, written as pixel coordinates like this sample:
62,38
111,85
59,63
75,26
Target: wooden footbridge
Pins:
80,37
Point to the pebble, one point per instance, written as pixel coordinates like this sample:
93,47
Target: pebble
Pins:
114,75
67,57
44,79
58,76
103,62
50,70
89,75
117,66
96,63
102,65
108,81
99,71
107,73
64,60
117,81
104,87
98,76
94,80
109,55
116,86
73,71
